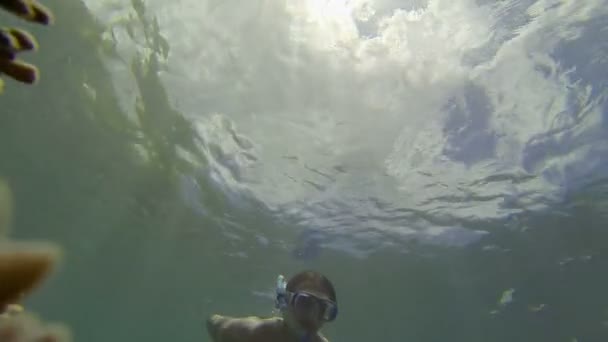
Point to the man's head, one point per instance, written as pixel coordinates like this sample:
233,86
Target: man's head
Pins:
311,300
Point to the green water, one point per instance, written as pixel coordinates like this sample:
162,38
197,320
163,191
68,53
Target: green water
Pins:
141,265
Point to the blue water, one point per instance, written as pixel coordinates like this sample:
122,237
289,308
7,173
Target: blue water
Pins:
442,162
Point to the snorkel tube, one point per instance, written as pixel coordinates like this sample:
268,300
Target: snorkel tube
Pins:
281,293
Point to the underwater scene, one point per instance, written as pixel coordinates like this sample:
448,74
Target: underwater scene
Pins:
444,163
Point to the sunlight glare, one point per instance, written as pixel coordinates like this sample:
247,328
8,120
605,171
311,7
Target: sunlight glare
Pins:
329,9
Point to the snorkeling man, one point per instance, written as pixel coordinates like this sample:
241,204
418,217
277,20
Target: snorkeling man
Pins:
306,302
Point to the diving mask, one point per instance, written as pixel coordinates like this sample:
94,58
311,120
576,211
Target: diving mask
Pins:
304,302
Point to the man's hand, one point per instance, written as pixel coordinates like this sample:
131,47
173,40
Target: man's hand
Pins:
14,41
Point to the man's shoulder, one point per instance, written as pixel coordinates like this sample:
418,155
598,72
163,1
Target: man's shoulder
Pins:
215,322
241,328
251,328
220,319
